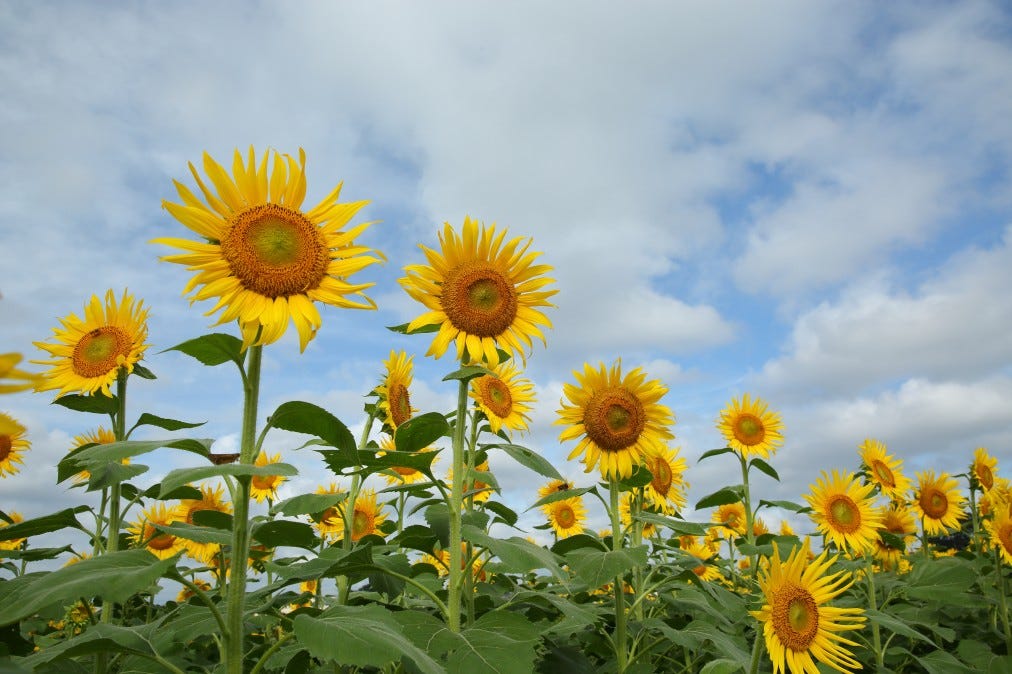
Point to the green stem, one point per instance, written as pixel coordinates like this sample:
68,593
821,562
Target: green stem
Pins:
239,553
208,602
621,652
469,506
96,544
873,603
973,515
456,490
757,651
271,651
421,588
637,540
749,518
1002,601
343,584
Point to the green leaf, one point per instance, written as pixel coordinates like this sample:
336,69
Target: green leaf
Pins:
897,626
640,477
43,525
213,349
566,545
498,642
696,632
438,517
680,527
307,504
506,515
420,330
529,459
195,533
721,497
364,636
191,621
114,576
143,372
714,452
765,467
95,455
420,461
180,493
96,404
107,474
596,568
420,432
333,561
381,581
786,505
560,496
182,476
721,666
101,638
277,533
942,662
517,554
945,580
574,617
34,554
469,372
167,424
302,417
213,519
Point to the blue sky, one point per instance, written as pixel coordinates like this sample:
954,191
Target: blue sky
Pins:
805,201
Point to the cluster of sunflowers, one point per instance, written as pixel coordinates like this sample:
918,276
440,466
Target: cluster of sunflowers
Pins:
267,262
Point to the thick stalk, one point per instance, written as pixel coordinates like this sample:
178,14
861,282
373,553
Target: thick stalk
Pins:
236,590
873,603
456,491
621,651
637,540
469,507
757,651
343,586
973,514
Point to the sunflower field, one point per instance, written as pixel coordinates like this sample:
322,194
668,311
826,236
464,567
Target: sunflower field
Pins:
394,565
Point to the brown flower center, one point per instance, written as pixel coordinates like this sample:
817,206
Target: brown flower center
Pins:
400,404
795,617
495,395
614,419
985,476
934,502
843,514
362,523
1005,536
479,299
749,429
885,476
158,541
97,353
265,481
5,447
275,251
661,471
564,516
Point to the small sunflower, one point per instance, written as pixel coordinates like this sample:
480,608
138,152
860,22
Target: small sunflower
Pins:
701,555
883,469
482,294
1000,493
211,498
620,418
394,398
983,469
797,625
145,534
897,519
266,486
440,558
1000,529
844,510
567,516
505,398
89,353
13,379
185,594
667,486
100,436
14,543
750,428
785,528
366,517
264,259
553,487
403,475
331,522
625,510
12,444
938,502
730,519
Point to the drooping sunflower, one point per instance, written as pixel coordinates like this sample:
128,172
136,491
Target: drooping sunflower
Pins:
264,259
505,398
897,519
567,516
145,533
100,436
730,519
701,554
394,399
938,502
482,294
14,543
750,427
266,486
89,353
667,486
619,418
983,469
12,444
797,625
366,517
404,475
211,498
844,510
883,469
13,379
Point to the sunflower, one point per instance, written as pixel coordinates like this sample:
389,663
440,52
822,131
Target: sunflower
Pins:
210,499
750,428
266,486
13,379
625,509
667,485
883,469
567,516
89,353
897,519
1000,493
185,594
1000,529
759,527
100,436
785,528
145,534
844,510
701,554
983,468
394,399
482,294
554,487
12,444
505,398
797,624
366,517
619,418
731,519
263,258
14,543
938,502
403,475
440,558
331,522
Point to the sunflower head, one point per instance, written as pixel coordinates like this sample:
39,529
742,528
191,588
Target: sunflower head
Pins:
999,528
394,399
100,436
938,502
366,517
211,498
266,486
12,444
505,398
844,511
898,520
89,353
618,419
146,534
13,379
14,543
750,428
331,522
483,294
883,469
567,516
983,469
700,555
730,519
667,486
264,259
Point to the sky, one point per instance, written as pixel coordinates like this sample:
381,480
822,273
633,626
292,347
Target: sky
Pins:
806,201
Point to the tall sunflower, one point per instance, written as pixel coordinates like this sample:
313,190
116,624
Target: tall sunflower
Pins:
797,625
264,259
13,543
211,498
394,399
100,436
505,398
750,428
883,469
844,510
89,353
938,502
13,379
620,418
12,444
266,486
567,516
145,534
666,489
482,294
983,468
